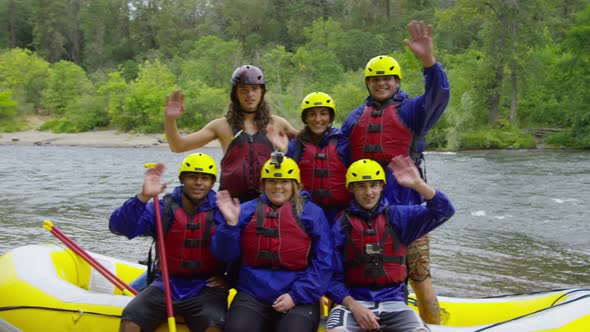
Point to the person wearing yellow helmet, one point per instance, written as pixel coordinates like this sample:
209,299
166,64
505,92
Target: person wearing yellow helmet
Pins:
283,242
247,133
321,152
391,123
370,241
190,217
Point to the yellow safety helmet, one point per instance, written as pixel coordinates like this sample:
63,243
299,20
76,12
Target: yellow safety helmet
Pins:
198,163
365,170
383,65
317,99
280,166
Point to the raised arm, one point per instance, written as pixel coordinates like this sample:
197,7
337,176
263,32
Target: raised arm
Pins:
229,207
279,131
292,132
151,183
179,143
225,244
420,42
136,216
405,172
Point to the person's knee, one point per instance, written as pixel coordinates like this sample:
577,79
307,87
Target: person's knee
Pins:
243,323
214,316
129,326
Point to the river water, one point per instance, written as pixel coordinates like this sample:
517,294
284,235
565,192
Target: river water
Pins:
522,221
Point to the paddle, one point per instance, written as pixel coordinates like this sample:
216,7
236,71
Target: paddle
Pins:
162,257
110,276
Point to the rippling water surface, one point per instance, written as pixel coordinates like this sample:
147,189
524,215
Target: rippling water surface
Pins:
522,221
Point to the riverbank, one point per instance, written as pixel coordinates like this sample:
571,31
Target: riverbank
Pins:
101,138
113,138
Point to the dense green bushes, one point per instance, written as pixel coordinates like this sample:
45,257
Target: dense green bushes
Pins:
538,78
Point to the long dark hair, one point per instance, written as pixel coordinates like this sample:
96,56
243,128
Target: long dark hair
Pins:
235,116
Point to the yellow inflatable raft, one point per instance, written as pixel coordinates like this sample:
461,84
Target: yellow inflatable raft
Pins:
47,287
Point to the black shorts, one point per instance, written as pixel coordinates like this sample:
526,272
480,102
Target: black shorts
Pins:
208,309
247,314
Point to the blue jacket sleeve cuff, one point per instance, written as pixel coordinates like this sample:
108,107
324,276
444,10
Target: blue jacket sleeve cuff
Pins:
437,66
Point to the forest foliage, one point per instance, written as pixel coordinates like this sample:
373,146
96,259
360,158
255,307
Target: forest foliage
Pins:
515,67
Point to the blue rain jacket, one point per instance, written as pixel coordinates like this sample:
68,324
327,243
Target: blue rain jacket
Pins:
266,285
409,222
136,218
419,114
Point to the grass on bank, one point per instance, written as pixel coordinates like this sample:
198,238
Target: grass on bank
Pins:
492,138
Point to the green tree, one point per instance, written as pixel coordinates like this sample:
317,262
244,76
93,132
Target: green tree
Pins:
26,74
56,30
572,79
114,90
241,18
67,82
467,110
280,73
510,35
296,16
348,94
317,60
15,30
8,119
144,102
7,106
318,68
203,104
105,30
211,60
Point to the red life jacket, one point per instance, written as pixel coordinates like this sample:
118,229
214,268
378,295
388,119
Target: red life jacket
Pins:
380,135
323,174
188,240
275,239
242,163
373,255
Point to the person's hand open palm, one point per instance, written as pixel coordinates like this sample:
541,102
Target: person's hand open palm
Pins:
228,206
175,105
151,181
278,138
420,42
404,170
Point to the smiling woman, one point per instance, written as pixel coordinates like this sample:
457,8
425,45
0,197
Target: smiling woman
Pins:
285,252
322,154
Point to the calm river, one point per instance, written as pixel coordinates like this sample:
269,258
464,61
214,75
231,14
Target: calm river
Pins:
522,221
